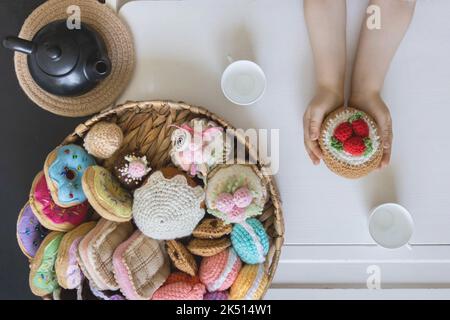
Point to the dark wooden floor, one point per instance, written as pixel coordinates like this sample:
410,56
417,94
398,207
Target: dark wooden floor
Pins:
28,133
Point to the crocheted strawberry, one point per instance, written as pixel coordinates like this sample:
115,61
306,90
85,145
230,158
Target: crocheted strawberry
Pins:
355,146
360,128
343,132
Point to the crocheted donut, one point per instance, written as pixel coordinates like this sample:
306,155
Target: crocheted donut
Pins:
51,215
250,241
106,195
219,272
103,139
64,168
30,232
350,143
235,193
168,206
198,145
250,283
42,278
68,272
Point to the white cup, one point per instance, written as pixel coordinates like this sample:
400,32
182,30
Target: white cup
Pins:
243,82
391,226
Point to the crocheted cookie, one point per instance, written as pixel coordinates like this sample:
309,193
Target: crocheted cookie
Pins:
131,169
180,291
103,139
182,259
198,145
168,206
212,228
350,143
250,241
96,249
216,295
140,266
68,272
42,273
250,283
235,193
64,168
208,248
219,271
182,277
30,232
51,215
106,195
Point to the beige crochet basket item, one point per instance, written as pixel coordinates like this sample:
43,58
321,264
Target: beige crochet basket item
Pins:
147,127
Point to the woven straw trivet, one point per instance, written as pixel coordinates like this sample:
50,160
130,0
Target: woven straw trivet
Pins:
148,126
120,47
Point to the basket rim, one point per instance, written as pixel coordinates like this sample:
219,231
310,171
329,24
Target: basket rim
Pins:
271,263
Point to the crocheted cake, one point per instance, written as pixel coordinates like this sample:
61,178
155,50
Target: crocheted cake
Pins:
168,206
235,193
197,146
131,169
103,140
350,143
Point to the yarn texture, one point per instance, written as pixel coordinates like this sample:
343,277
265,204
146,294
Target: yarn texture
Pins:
250,241
103,140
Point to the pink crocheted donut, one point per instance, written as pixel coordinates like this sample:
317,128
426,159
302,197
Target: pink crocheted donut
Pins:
219,271
180,291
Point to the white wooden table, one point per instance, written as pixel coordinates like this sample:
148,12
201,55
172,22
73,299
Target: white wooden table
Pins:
181,49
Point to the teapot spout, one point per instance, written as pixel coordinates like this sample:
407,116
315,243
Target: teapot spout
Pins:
18,44
98,69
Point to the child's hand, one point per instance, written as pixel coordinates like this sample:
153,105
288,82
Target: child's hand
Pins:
375,106
323,103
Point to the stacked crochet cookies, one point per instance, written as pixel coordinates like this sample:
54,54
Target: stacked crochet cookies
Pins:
100,223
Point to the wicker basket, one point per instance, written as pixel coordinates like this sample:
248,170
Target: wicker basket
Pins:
147,127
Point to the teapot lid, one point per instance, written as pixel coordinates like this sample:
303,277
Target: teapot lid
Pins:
57,53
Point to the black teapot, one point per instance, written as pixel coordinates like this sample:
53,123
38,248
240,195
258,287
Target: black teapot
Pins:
64,62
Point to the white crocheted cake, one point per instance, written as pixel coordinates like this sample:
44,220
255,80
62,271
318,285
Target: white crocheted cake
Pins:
168,206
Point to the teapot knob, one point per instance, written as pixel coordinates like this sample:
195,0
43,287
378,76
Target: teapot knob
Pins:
53,52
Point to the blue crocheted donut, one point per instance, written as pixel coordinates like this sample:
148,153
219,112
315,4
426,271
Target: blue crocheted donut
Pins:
66,172
250,241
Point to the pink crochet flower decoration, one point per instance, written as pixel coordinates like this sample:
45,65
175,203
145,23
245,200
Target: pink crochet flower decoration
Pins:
233,205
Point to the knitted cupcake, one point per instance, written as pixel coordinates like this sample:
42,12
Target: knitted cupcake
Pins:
250,284
103,140
219,272
235,193
197,146
350,143
131,169
168,206
250,241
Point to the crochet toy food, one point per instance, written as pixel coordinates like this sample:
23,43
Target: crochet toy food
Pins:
235,193
197,146
250,241
42,273
212,228
168,206
181,258
106,195
51,215
30,232
96,249
64,168
180,290
208,248
140,266
219,271
131,169
68,272
350,143
103,140
216,295
250,283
